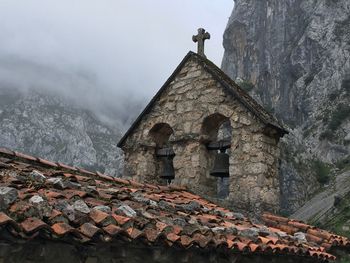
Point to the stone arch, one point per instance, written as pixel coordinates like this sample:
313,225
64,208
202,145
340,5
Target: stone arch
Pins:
160,134
215,127
211,125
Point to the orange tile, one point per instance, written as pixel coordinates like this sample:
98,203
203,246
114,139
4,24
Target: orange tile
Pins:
230,243
54,213
136,184
161,226
172,237
112,229
151,234
94,202
241,246
104,176
177,229
6,151
89,230
4,219
275,218
53,194
33,224
320,233
186,241
25,156
48,163
265,241
121,181
69,193
254,247
61,228
315,239
84,171
299,225
133,233
65,166
288,229
121,220
98,216
201,240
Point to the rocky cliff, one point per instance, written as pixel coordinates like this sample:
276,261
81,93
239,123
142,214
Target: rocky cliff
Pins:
45,125
294,57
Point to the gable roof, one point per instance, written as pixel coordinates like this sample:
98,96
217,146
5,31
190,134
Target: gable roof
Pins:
39,198
229,85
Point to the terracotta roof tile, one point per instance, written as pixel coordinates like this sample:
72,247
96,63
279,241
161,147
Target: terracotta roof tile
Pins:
4,219
89,230
69,193
104,176
7,152
134,233
81,170
121,220
48,163
65,166
61,229
288,229
112,229
25,156
33,224
161,226
254,247
152,213
186,241
299,225
98,216
152,234
319,233
172,237
241,246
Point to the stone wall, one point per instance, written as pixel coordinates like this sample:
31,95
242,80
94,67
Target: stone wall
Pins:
44,251
194,106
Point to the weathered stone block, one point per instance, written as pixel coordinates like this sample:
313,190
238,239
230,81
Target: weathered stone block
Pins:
7,196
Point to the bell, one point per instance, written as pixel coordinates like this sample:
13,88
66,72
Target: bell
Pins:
168,172
221,165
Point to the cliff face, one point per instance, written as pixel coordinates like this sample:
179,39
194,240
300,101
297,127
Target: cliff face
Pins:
294,57
50,127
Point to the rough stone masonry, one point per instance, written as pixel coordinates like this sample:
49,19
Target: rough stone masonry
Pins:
186,115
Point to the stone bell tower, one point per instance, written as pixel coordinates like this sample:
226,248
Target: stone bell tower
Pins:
198,111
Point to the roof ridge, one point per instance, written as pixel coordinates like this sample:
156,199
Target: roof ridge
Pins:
58,165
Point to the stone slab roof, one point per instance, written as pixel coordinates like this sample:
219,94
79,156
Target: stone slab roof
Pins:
229,85
53,201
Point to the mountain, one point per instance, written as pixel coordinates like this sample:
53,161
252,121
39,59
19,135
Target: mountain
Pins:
46,125
294,57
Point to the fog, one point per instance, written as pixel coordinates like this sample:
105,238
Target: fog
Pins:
109,56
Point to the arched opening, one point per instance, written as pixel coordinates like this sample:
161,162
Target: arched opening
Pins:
215,128
224,134
164,154
211,125
160,134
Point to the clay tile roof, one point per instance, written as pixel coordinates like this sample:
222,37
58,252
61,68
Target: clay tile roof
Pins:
61,229
76,210
227,83
33,224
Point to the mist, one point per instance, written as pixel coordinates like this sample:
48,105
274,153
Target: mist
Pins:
107,56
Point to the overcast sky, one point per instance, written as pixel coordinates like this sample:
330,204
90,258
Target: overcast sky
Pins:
104,50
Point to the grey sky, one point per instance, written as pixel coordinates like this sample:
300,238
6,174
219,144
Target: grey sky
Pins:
103,50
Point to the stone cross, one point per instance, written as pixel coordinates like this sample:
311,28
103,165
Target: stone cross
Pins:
200,38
